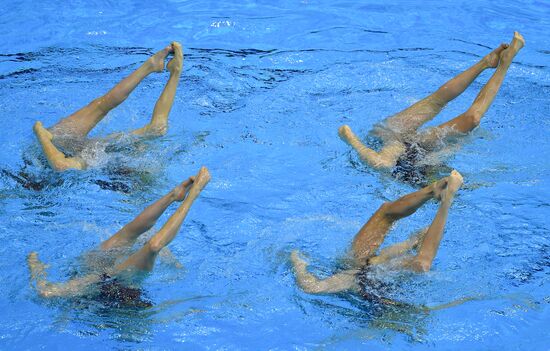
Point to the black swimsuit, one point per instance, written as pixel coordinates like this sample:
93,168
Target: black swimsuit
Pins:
114,294
374,290
409,168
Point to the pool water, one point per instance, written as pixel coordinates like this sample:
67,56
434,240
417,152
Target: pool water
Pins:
264,88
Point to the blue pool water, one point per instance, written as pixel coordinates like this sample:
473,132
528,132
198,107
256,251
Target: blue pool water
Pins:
265,86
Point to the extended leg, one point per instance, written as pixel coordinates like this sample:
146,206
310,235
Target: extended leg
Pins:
422,262
146,220
412,118
342,281
144,259
84,120
159,122
371,236
471,118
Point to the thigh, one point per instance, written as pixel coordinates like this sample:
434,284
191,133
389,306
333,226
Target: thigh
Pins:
80,123
370,236
456,127
413,117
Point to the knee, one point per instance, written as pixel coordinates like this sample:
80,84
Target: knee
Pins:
421,265
473,117
59,164
153,246
387,209
157,130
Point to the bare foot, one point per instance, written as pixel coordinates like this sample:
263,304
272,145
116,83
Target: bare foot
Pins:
181,190
36,266
515,46
297,261
176,63
439,187
494,56
454,182
42,132
346,134
202,178
157,60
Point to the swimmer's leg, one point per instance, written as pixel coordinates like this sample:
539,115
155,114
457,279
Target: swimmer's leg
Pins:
128,235
338,282
470,119
57,160
159,123
73,287
371,236
84,120
422,262
386,158
412,118
399,249
144,259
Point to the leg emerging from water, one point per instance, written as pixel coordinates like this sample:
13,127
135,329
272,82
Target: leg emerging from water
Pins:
159,122
128,235
125,237
144,259
372,234
84,120
367,241
410,119
470,119
422,262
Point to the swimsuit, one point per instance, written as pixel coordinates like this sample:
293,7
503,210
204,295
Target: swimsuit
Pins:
114,294
408,167
374,289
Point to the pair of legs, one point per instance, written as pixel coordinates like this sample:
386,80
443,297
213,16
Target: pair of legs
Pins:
80,123
372,234
409,120
144,258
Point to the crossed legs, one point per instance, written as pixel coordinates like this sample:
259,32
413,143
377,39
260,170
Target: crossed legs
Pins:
410,119
372,234
143,259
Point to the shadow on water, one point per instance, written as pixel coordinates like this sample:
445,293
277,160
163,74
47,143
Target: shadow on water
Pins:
374,320
132,324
